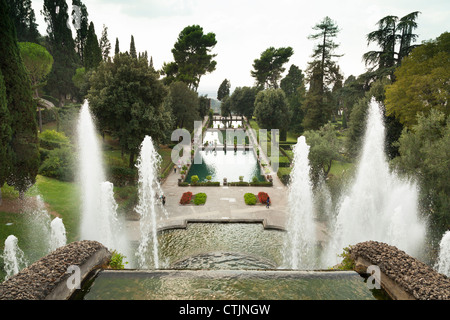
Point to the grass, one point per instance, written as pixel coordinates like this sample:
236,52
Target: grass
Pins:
338,168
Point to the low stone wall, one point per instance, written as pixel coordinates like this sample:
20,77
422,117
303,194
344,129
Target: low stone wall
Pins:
402,276
46,279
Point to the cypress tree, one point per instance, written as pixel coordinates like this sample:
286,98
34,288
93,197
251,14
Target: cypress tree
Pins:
23,146
116,48
5,135
133,52
24,19
61,46
92,51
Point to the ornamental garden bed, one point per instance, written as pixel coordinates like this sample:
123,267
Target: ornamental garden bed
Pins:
252,199
188,198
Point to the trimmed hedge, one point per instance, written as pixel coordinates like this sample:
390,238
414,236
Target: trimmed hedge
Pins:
284,174
250,199
200,198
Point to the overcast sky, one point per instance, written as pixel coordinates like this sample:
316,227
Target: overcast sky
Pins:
245,28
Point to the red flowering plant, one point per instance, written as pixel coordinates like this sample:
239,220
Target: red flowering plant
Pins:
262,197
186,198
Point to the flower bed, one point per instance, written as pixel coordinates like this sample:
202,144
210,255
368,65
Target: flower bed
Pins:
186,198
189,198
262,197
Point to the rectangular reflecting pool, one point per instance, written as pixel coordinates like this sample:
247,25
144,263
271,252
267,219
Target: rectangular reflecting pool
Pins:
228,164
227,285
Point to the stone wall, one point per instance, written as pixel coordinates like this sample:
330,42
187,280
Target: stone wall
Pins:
47,277
402,276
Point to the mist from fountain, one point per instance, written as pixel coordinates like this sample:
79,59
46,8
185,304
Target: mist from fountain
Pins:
300,246
379,205
58,236
13,257
149,191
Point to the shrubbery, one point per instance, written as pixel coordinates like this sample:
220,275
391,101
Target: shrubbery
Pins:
186,198
262,197
200,198
250,199
59,164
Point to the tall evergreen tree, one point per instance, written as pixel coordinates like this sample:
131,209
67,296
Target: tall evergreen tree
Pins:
133,52
116,47
62,47
269,67
23,146
293,86
224,90
5,135
105,45
81,24
24,19
92,50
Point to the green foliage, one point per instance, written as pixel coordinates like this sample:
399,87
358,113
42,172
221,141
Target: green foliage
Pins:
419,85
5,133
293,86
269,67
224,90
126,97
284,174
242,101
324,148
116,261
121,176
194,179
92,52
22,14
23,147
192,58
60,164
200,198
184,103
424,154
250,199
272,110
347,262
208,178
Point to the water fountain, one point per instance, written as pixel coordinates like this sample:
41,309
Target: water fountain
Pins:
58,234
149,191
301,239
13,256
99,219
379,205
443,262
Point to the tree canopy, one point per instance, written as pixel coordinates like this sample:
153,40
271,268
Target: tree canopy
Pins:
269,67
272,110
422,82
224,90
192,57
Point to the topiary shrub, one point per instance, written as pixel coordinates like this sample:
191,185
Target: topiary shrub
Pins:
250,199
200,198
262,197
194,179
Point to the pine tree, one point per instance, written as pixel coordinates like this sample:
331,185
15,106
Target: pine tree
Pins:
61,46
133,52
92,51
24,151
24,19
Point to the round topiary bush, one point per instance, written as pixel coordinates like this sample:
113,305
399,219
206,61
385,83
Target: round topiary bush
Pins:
250,199
194,179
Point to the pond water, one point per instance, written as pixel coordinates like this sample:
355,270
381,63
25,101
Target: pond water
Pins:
228,164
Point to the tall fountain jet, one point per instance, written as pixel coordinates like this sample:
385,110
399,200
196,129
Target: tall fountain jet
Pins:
379,205
99,219
443,263
149,192
300,247
13,256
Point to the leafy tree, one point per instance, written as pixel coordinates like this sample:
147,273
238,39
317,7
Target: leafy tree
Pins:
225,107
424,154
324,148
192,55
421,82
105,45
269,67
293,86
224,89
23,147
242,101
92,51
24,19
62,47
133,52
204,104
272,111
183,102
391,31
127,97
38,62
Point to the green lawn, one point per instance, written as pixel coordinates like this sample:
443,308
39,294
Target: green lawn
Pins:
339,168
